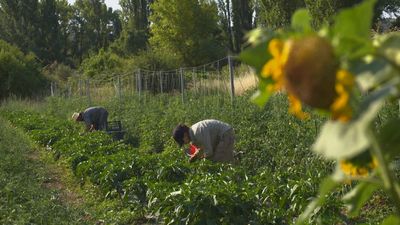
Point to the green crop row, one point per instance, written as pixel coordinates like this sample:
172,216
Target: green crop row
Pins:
275,179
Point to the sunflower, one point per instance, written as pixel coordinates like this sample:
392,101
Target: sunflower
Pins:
307,69
274,69
350,168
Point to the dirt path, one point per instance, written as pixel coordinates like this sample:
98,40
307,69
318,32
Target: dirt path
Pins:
54,181
33,190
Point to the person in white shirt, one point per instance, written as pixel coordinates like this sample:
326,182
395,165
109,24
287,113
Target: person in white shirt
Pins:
214,139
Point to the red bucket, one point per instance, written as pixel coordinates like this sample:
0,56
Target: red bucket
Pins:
192,149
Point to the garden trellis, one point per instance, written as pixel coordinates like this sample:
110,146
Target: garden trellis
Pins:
219,79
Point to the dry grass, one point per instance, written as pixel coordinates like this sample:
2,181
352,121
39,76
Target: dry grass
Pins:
246,81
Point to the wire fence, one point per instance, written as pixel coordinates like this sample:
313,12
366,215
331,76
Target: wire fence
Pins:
223,78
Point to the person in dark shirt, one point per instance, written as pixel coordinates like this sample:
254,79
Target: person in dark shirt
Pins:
95,118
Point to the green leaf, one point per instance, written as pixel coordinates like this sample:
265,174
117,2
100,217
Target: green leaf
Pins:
339,140
355,22
357,197
389,137
262,96
257,54
301,20
370,75
371,104
338,175
351,30
327,185
388,46
391,220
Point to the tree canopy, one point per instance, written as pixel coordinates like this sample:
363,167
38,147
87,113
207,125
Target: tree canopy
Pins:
165,32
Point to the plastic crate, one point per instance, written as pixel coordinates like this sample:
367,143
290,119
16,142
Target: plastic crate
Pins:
114,128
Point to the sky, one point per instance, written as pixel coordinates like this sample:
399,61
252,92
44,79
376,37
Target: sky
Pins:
110,3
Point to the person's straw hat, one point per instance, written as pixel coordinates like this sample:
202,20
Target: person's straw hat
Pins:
75,116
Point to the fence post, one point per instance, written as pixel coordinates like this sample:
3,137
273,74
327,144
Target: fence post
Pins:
69,91
133,83
232,78
119,87
161,81
88,91
194,80
80,88
182,85
51,89
139,82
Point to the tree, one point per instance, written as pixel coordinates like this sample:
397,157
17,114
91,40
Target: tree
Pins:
40,27
322,11
236,18
242,21
50,41
19,73
65,14
93,26
135,22
187,29
275,14
19,22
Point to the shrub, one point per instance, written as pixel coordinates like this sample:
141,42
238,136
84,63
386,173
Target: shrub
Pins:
19,73
102,62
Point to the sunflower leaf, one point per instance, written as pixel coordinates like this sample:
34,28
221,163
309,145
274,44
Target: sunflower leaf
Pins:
352,29
339,140
391,220
357,197
262,96
370,75
256,54
327,185
301,20
389,137
388,46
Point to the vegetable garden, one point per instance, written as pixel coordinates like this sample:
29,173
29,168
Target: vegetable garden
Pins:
151,178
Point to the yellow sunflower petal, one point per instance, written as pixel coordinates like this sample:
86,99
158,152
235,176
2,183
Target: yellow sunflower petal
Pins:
285,51
340,108
275,47
268,68
345,78
344,115
295,108
341,101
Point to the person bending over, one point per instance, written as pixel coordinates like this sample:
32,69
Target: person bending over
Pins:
214,139
95,118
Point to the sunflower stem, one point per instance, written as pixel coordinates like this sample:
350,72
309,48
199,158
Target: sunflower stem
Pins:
389,180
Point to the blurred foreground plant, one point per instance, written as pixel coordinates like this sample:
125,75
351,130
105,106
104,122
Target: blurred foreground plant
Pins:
343,72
